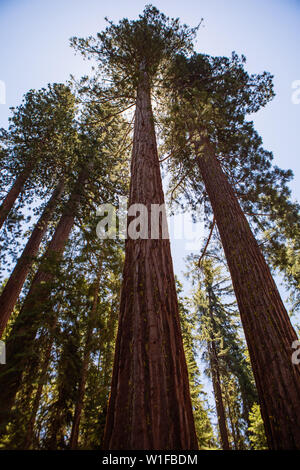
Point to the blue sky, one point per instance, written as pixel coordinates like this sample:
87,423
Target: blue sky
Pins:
34,38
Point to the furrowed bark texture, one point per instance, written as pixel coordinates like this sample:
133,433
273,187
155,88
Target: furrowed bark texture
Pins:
13,193
13,287
150,406
268,330
21,339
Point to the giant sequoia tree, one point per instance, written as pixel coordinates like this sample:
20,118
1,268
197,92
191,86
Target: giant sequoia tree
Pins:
36,144
13,286
65,153
224,352
96,157
209,100
150,405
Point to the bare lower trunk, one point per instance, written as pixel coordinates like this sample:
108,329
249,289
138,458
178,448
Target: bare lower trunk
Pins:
150,405
79,402
28,440
28,321
215,373
232,424
85,364
13,287
266,324
55,438
13,193
216,379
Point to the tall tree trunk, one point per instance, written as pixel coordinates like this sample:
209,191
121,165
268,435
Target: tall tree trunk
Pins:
268,330
79,402
150,405
14,192
28,439
231,405
85,364
215,374
216,379
105,362
24,330
54,434
13,287
108,350
232,424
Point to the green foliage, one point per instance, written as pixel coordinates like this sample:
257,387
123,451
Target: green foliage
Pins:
41,134
204,430
216,319
59,316
38,145
256,429
126,48
57,133
211,97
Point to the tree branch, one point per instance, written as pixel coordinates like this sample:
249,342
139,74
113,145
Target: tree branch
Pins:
207,242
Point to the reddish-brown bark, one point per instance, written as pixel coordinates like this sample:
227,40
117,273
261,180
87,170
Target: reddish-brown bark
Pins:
27,323
13,193
150,405
13,287
268,330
